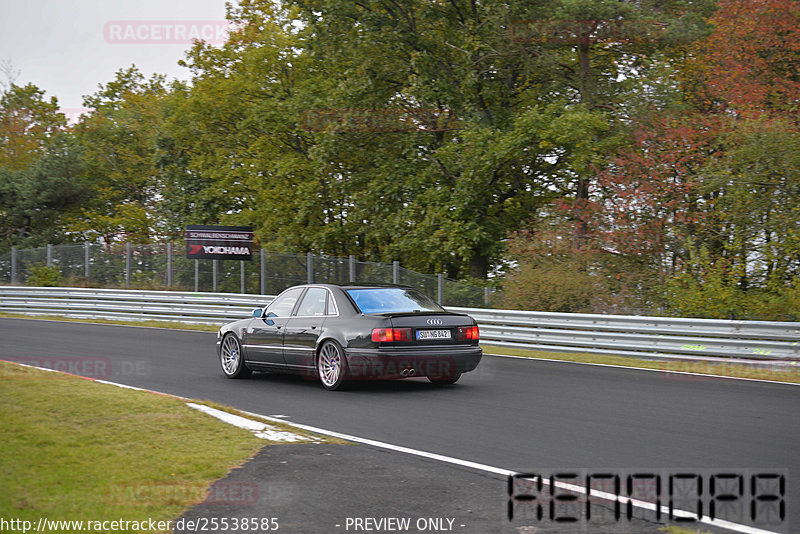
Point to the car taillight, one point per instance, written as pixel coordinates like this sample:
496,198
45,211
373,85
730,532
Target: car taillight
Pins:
468,332
387,335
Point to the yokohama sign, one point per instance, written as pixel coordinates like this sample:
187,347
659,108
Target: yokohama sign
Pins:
219,242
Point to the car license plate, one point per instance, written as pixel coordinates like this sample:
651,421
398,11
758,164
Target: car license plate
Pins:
433,334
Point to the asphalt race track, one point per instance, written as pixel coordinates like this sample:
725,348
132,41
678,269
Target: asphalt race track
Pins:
522,415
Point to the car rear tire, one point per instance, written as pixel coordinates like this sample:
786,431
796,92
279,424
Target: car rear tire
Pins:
231,358
445,380
332,366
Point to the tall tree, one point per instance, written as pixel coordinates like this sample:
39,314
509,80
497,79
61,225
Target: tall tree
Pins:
706,191
749,64
118,139
36,201
28,123
438,130
41,170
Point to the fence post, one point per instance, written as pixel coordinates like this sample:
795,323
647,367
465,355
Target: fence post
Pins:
263,273
395,272
440,289
87,257
196,276
310,267
352,269
214,270
169,264
14,273
49,255
241,276
486,294
127,263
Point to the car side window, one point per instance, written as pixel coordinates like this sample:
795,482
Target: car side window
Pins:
331,309
314,302
282,306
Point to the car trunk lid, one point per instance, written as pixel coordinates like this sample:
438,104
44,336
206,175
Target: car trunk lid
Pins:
430,329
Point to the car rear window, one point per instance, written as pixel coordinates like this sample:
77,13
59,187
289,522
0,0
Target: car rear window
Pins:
392,300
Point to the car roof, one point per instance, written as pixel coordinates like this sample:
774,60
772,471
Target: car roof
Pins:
376,286
356,286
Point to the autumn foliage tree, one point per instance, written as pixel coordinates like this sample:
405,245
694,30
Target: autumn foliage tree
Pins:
706,195
41,169
641,156
749,64
29,121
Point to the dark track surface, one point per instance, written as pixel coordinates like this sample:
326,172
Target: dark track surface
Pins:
510,413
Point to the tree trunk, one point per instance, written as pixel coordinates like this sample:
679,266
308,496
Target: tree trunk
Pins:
478,265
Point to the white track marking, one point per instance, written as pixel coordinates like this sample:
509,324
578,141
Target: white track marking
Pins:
744,529
261,430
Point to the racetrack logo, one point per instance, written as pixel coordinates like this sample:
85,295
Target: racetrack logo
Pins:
605,497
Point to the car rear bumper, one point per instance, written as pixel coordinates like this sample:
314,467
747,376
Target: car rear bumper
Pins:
443,361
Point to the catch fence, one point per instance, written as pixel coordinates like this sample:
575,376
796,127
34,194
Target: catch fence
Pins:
165,267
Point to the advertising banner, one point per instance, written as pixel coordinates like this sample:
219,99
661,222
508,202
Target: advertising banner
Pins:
204,242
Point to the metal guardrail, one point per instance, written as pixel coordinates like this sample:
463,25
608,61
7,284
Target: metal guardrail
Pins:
175,306
639,336
620,335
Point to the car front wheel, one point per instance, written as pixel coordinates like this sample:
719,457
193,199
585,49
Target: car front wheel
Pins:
332,366
231,358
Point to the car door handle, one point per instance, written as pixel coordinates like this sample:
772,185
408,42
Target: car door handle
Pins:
313,327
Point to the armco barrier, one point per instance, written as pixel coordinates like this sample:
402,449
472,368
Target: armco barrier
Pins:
621,335
176,306
640,336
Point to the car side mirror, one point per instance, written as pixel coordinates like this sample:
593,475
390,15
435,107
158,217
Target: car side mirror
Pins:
258,312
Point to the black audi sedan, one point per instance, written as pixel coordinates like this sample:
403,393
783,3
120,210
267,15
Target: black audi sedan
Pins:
344,333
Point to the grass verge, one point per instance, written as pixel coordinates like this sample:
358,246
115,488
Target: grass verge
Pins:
681,530
74,449
790,374
147,324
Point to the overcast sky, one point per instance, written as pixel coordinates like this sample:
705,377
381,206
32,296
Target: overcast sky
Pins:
69,47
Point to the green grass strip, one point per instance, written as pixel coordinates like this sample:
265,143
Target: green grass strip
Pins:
681,530
790,374
151,323
74,449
